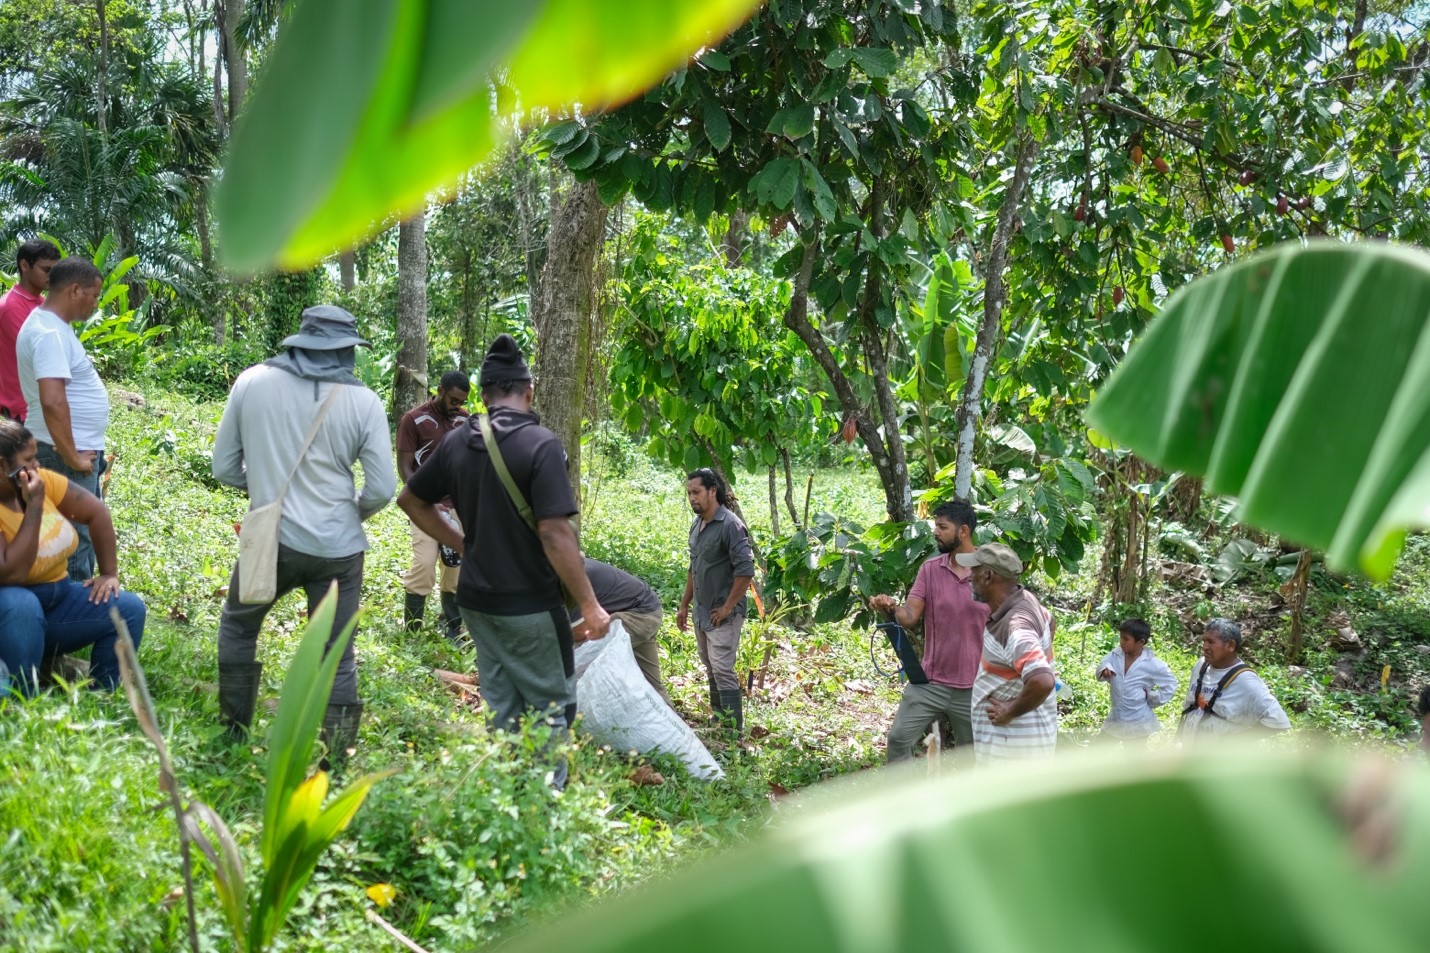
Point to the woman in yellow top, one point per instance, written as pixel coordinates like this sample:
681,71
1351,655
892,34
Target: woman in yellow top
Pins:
42,610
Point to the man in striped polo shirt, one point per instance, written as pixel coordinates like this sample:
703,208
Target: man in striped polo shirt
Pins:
1015,715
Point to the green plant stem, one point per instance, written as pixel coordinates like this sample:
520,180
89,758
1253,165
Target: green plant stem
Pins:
137,689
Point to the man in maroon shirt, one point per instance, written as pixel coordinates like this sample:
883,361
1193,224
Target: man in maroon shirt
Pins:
34,259
418,434
953,637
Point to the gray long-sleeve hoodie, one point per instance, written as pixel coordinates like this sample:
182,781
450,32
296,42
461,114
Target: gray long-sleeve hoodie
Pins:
264,423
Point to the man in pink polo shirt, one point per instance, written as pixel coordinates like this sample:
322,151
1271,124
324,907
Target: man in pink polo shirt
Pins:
953,637
34,259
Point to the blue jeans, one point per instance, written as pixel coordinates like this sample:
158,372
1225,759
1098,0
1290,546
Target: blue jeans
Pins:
55,617
81,563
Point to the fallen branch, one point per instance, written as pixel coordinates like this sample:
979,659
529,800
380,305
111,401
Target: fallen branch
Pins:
395,933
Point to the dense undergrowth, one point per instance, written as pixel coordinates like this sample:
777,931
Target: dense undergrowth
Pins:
468,832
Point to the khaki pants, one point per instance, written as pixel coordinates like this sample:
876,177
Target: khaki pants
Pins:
643,628
919,707
718,648
421,576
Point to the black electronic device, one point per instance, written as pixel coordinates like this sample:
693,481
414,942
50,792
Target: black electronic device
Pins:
910,665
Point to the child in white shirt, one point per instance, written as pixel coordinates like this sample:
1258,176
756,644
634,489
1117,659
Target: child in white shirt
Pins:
1139,682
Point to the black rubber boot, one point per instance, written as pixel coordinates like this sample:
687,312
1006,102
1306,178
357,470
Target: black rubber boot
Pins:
414,607
732,707
452,621
238,686
339,734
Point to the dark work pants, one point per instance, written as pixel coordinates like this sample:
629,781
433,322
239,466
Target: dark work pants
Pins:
239,624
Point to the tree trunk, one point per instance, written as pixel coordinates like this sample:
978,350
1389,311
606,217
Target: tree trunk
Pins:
789,491
737,236
220,117
898,494
796,318
995,296
229,12
206,257
562,311
1298,585
409,377
347,268
774,504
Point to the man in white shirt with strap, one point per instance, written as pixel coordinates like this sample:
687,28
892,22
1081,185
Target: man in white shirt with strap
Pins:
1224,696
321,540
68,405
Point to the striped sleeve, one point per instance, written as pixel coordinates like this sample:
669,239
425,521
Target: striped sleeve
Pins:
1026,649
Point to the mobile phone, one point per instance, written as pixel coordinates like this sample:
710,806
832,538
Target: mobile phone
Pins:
14,476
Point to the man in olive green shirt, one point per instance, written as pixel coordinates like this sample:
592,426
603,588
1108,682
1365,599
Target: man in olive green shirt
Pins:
721,569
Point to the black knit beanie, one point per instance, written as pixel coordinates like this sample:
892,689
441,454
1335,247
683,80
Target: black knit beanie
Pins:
504,362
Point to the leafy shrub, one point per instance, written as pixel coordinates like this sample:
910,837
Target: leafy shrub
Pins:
836,564
519,844
207,371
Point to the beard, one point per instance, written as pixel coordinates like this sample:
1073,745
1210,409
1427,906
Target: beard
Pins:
947,547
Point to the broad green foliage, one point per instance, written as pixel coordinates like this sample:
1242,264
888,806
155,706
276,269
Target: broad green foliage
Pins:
1042,510
1255,849
1241,104
1298,381
131,166
837,565
297,826
835,119
704,366
397,101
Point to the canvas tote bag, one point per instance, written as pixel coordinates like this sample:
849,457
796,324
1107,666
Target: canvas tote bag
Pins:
258,539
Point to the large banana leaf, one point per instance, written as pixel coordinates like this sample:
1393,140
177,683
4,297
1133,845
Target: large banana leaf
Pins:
301,705
1248,850
366,107
1299,382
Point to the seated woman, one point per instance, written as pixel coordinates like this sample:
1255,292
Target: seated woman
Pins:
42,611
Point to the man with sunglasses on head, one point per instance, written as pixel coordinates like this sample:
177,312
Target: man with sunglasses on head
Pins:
942,599
722,566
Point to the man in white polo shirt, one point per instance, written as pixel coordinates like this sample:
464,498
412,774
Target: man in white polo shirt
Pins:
68,405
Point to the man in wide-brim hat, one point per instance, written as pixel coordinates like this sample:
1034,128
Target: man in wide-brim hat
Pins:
292,429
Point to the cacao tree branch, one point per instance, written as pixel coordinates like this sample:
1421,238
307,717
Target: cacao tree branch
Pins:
796,318
995,296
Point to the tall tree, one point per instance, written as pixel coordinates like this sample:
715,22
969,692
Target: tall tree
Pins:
228,15
562,311
409,375
817,117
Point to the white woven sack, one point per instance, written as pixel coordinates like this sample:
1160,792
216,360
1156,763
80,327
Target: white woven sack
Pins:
619,708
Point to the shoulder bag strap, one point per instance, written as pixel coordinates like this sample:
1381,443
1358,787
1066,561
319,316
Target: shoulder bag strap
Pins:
1196,691
493,451
1226,680
308,442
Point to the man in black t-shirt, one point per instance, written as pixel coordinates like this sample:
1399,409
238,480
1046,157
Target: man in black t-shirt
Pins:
635,603
510,587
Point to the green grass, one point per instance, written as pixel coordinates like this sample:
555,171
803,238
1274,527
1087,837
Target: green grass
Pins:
468,832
